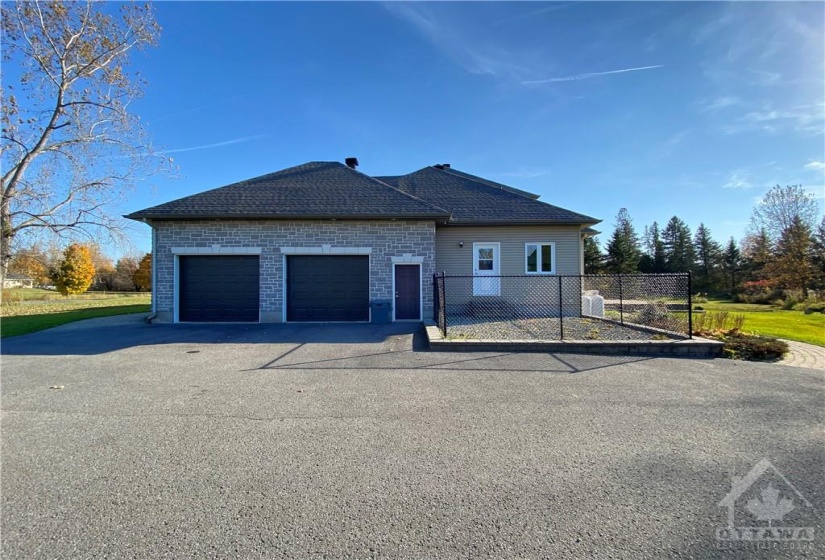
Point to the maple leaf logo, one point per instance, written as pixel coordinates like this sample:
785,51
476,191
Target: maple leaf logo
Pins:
771,507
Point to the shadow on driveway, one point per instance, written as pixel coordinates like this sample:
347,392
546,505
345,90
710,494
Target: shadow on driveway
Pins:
294,346
109,334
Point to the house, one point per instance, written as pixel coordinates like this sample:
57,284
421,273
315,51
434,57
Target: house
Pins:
323,242
16,280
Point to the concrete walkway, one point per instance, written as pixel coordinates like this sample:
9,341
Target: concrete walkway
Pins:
804,355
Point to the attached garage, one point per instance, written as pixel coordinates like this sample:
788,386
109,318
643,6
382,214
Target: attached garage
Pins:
328,288
219,288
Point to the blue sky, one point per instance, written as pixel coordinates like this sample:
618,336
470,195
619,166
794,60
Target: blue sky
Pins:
685,108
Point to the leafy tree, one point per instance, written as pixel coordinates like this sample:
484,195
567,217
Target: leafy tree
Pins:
793,266
708,260
69,144
75,272
32,262
124,274
142,277
732,261
678,246
623,252
778,209
653,259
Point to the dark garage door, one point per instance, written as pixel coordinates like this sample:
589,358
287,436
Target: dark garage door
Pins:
218,288
328,288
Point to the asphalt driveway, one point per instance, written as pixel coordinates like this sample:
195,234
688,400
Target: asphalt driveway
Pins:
271,441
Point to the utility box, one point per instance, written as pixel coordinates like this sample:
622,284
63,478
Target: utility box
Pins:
381,311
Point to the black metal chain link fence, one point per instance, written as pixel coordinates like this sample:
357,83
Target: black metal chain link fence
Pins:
543,307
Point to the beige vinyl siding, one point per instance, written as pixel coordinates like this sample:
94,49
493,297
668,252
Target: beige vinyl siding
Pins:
452,259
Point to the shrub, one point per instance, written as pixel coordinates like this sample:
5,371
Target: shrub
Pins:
700,298
10,296
758,291
740,346
816,307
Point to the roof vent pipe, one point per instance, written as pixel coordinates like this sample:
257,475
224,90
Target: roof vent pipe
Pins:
352,162
442,165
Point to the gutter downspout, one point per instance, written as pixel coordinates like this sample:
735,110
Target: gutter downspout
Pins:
154,314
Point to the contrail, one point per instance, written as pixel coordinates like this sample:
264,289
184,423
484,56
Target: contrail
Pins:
215,145
590,75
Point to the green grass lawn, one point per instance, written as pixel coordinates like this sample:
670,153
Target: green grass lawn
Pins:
767,320
34,313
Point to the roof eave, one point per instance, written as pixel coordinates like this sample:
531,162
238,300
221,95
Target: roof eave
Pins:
237,217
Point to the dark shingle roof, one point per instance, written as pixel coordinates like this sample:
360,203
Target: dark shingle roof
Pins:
476,201
312,190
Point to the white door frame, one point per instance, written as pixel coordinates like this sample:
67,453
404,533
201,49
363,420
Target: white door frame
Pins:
487,286
420,291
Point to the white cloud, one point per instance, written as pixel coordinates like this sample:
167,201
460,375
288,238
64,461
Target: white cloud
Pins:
738,180
719,103
815,165
590,75
474,54
805,119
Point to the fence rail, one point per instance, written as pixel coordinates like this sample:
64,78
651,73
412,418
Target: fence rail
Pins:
566,307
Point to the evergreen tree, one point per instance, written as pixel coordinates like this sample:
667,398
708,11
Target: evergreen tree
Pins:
757,251
593,258
623,252
708,260
793,266
732,260
819,255
678,246
653,259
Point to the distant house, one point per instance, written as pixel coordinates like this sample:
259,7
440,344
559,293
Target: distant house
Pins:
16,280
322,241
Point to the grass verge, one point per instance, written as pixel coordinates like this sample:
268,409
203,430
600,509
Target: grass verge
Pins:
28,315
766,320
25,324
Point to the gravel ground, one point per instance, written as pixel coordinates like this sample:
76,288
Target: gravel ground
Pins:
269,441
575,328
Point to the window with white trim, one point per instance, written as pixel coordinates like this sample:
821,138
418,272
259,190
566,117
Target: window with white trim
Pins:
540,258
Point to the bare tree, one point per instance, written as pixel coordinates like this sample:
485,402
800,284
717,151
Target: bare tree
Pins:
70,146
779,208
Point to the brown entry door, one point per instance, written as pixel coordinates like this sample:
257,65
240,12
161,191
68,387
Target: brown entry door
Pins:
407,292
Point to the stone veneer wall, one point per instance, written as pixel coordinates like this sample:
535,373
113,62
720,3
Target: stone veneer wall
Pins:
387,239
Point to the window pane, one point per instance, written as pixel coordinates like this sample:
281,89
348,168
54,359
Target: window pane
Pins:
546,258
532,255
485,253
485,264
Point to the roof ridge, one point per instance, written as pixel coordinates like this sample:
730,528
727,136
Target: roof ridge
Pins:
382,183
486,182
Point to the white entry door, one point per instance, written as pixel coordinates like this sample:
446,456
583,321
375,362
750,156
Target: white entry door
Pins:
486,269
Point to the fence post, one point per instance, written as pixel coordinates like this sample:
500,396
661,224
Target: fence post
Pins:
444,303
435,297
621,301
690,305
561,313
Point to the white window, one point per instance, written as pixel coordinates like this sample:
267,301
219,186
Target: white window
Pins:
540,258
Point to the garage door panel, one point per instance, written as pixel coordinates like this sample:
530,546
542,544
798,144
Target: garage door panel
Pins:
219,288
327,288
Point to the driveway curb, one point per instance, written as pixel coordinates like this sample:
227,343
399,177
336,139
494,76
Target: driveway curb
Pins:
695,348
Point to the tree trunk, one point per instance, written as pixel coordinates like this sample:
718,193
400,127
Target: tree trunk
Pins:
6,237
